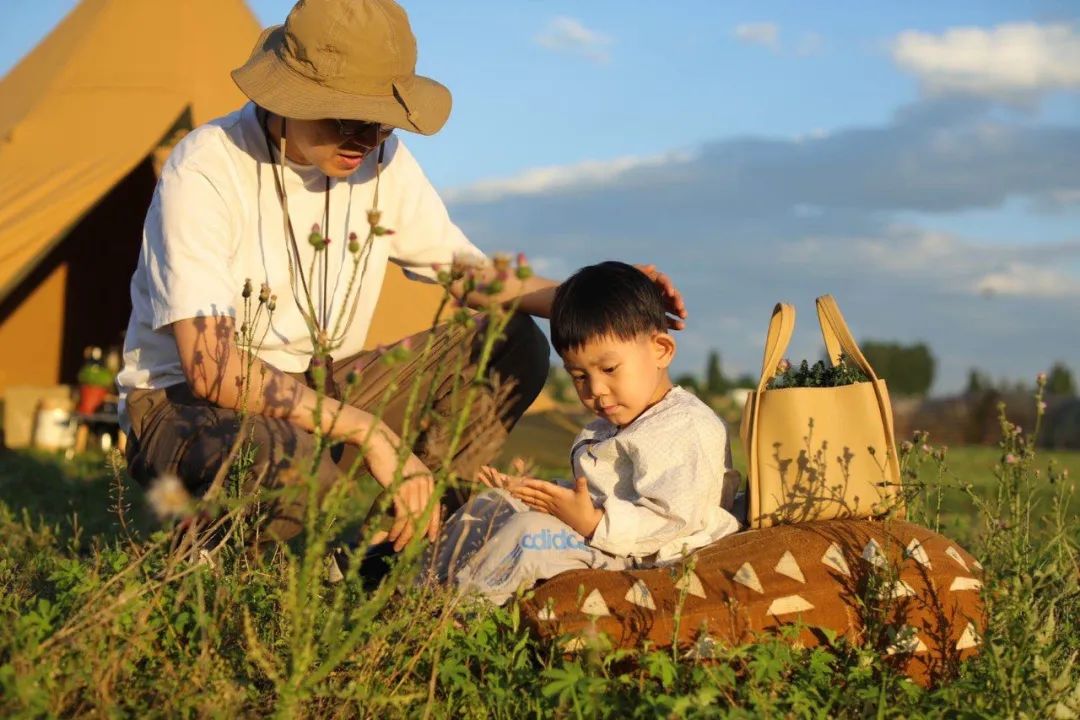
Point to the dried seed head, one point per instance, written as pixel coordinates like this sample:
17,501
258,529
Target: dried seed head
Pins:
264,293
374,216
168,497
246,292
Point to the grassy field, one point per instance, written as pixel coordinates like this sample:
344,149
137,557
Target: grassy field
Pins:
97,618
546,440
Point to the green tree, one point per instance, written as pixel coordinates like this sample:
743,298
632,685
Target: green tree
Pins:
1059,381
909,369
978,382
715,382
689,382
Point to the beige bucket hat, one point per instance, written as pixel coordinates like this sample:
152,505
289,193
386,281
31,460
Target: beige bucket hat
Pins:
348,59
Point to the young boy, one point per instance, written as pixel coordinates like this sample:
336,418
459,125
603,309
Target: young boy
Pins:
654,475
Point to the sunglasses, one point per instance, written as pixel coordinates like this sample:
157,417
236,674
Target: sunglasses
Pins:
362,128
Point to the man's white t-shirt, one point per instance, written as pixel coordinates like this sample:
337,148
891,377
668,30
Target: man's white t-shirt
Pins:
216,220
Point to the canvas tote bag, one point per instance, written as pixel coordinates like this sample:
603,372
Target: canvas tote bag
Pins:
819,453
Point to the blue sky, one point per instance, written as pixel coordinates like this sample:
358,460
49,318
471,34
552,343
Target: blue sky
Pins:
919,160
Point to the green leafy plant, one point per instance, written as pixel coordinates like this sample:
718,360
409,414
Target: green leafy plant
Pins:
96,374
818,375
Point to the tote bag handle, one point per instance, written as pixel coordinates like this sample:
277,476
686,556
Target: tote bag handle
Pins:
781,326
838,338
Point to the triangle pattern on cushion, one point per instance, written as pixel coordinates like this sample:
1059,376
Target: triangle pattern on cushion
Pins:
574,644
834,558
690,583
955,555
639,595
897,590
594,604
968,639
917,552
787,566
907,641
745,575
789,604
965,583
872,553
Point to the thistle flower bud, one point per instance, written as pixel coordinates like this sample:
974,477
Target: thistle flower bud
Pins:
354,243
352,377
243,328
522,261
494,287
501,262
315,239
374,216
272,304
246,292
524,272
1011,459
1041,379
264,293
380,230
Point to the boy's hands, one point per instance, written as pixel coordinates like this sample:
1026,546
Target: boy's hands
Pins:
574,507
495,479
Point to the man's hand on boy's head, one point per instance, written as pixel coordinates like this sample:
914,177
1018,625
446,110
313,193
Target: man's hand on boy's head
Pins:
574,506
673,299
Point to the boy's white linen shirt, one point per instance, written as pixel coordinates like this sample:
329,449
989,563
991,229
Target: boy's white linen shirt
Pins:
215,220
665,481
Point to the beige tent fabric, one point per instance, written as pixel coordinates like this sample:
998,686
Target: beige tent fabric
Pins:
95,97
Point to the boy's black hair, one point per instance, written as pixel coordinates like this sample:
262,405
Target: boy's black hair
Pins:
611,298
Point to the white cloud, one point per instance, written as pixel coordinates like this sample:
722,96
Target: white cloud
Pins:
810,43
1031,281
1011,62
766,34
743,222
566,34
553,178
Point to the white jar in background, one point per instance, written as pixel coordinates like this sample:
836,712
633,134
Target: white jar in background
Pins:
54,426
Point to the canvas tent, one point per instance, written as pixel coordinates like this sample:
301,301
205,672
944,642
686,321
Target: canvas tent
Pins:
85,120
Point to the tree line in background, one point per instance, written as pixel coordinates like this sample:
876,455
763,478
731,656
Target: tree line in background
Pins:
908,369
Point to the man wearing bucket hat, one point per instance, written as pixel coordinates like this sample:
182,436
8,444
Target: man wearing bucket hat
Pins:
315,145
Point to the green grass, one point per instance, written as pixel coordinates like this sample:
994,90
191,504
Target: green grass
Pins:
99,620
546,440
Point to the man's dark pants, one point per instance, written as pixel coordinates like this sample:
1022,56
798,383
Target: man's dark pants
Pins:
173,432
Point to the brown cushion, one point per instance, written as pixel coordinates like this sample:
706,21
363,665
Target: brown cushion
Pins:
761,580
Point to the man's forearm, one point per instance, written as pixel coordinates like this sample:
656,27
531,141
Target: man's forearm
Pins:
215,372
